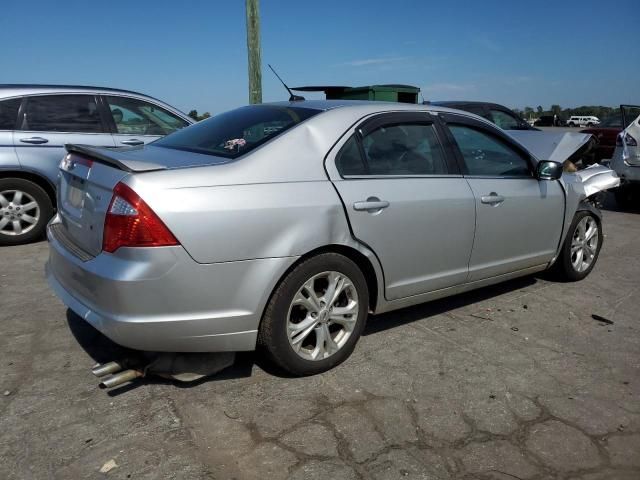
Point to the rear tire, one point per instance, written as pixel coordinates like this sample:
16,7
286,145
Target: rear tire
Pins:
303,331
581,248
25,210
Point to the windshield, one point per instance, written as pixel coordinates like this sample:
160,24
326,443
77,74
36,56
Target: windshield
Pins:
237,132
611,122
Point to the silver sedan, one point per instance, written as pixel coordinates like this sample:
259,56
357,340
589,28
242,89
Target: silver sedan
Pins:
285,225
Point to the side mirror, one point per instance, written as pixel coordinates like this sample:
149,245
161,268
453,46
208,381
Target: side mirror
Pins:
548,170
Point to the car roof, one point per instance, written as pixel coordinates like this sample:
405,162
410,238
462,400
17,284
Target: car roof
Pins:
451,103
367,106
17,89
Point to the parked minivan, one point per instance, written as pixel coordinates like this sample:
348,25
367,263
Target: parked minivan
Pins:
582,121
36,121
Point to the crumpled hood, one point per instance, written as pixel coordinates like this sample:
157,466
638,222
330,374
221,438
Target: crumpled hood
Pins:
556,146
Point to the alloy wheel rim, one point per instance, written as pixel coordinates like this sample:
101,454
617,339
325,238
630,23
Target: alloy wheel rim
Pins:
322,315
584,244
19,212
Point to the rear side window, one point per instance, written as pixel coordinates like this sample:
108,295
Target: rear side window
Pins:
136,117
504,120
349,161
402,149
485,155
62,113
9,113
237,132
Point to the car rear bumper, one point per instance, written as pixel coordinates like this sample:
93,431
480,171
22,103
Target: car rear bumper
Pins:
160,299
627,173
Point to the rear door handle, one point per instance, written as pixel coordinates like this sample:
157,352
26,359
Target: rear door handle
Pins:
132,142
371,205
34,140
492,199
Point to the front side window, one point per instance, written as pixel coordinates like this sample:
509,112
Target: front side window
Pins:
137,117
237,132
62,113
404,149
9,113
485,155
504,120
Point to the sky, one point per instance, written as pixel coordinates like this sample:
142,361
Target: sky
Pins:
193,55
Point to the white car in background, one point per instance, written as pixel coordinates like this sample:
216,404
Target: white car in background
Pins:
626,158
582,121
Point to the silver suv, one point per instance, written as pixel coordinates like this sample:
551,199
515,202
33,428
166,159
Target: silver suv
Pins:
36,121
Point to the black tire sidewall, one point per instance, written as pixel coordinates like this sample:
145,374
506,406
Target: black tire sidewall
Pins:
44,202
273,329
568,272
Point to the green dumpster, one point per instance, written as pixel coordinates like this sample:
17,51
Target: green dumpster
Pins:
384,93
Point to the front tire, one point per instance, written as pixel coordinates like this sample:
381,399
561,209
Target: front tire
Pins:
25,209
316,315
581,247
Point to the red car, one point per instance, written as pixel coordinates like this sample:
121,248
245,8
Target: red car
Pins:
606,133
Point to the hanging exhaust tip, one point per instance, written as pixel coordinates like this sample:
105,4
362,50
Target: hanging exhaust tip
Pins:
120,378
106,368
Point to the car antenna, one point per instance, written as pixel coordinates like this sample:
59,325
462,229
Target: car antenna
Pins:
292,98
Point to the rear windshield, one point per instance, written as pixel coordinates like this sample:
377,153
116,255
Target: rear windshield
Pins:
237,132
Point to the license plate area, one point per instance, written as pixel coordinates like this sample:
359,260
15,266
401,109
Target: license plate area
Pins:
75,193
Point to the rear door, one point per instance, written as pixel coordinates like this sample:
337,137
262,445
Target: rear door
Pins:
519,219
406,200
8,119
138,122
48,122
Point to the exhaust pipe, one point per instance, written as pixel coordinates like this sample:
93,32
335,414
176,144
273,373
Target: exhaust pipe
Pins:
120,378
106,368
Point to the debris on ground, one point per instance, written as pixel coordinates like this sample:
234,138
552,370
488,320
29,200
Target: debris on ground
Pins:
108,466
602,319
6,393
515,329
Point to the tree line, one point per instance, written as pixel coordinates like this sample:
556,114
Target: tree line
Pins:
596,110
194,114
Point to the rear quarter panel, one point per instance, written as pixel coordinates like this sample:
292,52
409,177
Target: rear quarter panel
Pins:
275,202
242,222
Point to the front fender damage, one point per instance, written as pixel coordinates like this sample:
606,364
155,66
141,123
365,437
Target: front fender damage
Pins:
580,188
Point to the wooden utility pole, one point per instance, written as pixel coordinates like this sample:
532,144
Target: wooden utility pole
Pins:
253,48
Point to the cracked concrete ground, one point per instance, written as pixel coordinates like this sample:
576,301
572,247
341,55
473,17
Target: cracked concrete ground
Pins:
512,381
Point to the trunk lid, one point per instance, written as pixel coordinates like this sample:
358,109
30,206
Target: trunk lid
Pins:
88,176
85,188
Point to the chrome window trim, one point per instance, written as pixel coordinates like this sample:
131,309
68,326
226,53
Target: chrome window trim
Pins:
369,177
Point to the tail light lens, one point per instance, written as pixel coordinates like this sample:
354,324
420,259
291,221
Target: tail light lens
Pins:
630,141
130,222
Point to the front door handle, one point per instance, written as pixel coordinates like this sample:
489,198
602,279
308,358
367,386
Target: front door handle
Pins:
371,205
132,142
492,199
34,140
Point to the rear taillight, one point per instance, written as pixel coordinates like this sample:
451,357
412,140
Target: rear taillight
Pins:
130,222
630,141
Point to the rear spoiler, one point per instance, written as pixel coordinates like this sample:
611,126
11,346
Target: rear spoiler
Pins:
109,156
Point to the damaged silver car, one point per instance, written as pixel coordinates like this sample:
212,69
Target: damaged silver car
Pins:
285,225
